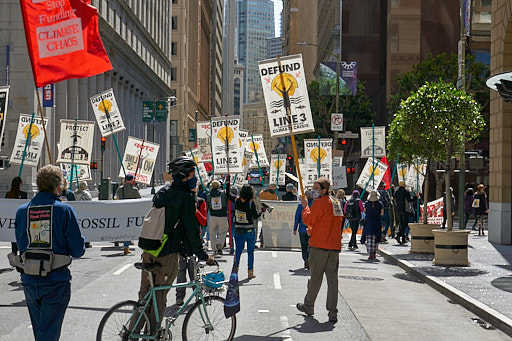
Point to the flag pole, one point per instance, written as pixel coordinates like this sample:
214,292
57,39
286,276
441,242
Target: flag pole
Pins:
286,102
29,136
44,126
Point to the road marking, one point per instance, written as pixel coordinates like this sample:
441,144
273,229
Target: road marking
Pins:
120,271
286,329
263,311
5,247
274,254
277,280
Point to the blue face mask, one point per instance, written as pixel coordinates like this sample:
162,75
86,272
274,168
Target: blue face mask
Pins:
192,183
315,194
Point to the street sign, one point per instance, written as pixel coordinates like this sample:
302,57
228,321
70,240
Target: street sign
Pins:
147,111
337,122
192,135
348,135
161,111
154,111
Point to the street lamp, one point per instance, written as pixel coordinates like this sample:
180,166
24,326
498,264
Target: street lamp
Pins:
338,61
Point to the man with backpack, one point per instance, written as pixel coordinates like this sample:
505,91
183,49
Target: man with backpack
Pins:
217,202
353,209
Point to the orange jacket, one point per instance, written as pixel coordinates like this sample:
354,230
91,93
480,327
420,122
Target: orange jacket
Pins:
264,195
325,227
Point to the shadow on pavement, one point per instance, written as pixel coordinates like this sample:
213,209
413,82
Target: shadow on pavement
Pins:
416,256
21,303
300,272
311,325
6,270
257,338
408,277
439,271
356,267
88,308
362,278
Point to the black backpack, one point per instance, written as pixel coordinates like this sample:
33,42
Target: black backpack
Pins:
353,211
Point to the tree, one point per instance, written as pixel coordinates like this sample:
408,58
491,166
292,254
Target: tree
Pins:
434,123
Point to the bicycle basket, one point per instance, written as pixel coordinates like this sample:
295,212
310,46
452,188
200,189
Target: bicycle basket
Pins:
214,279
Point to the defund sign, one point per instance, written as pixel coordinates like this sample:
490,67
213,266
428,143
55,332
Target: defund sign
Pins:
285,86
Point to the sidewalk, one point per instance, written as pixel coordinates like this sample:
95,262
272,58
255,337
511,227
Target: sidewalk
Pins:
484,287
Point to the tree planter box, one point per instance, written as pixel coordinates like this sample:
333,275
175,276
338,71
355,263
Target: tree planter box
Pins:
451,247
422,238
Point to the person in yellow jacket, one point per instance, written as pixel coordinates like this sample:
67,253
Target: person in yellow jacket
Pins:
324,220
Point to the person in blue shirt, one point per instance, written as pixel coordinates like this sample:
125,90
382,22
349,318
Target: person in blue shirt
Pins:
303,235
45,223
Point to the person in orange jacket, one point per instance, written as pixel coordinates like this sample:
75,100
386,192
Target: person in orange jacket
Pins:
324,219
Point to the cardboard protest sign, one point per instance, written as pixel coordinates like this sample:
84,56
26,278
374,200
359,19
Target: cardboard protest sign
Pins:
286,85
82,172
434,212
32,136
204,150
226,145
259,148
275,165
107,113
203,174
370,135
4,101
139,153
339,177
241,178
378,174
76,139
312,154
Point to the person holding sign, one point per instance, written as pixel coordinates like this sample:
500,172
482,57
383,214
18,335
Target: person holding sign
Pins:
372,229
324,218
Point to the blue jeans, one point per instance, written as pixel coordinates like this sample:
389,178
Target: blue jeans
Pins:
47,303
386,222
304,245
240,238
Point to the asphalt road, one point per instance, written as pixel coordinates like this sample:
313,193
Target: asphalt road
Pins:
377,301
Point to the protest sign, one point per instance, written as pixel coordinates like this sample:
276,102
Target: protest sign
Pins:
415,177
275,165
339,177
378,174
226,145
259,148
312,155
81,172
277,226
107,113
203,174
32,136
76,139
142,154
241,178
434,212
373,142
204,149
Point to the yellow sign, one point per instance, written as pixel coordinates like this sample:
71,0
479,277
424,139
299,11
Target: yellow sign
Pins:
105,106
34,131
278,164
376,172
315,154
225,134
254,146
290,84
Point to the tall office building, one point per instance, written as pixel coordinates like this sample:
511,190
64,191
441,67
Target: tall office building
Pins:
228,59
274,47
254,23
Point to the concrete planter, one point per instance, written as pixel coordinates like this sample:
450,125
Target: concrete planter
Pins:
422,238
451,247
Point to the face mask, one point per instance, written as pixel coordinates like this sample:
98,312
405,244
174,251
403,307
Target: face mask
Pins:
192,183
315,194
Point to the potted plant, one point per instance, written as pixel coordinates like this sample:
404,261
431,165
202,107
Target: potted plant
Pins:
434,123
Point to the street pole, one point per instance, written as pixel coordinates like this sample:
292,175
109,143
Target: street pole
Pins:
337,95
462,156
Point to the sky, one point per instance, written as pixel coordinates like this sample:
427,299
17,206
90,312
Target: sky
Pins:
278,8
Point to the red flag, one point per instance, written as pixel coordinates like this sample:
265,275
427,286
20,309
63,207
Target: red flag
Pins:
63,40
387,175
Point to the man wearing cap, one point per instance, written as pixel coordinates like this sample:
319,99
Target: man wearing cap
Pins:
128,191
217,202
289,196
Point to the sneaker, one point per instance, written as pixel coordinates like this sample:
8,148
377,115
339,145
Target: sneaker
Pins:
301,307
333,319
219,249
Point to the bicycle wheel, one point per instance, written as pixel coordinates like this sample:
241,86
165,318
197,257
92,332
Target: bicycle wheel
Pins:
115,324
195,327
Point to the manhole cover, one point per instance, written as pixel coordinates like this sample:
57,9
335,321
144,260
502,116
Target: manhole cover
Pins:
362,278
503,283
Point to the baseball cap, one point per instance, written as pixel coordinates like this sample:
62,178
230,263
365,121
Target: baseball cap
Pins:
129,177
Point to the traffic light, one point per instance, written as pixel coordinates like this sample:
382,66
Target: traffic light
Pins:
351,170
94,165
343,143
103,139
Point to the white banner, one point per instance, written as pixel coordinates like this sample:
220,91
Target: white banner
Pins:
76,139
415,177
259,148
4,103
104,220
434,212
337,122
378,174
83,172
203,173
142,153
225,136
313,153
241,178
107,113
275,165
34,143
277,226
204,148
290,85
401,171
379,138
339,177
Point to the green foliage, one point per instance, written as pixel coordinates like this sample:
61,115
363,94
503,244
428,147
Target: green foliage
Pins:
443,68
434,123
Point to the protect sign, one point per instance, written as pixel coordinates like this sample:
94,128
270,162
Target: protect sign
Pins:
107,113
204,151
32,136
372,166
259,148
139,153
286,86
373,142
314,155
275,165
226,145
76,139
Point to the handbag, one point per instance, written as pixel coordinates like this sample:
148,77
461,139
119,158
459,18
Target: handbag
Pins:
476,203
232,302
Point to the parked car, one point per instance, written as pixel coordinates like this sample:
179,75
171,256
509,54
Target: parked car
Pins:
254,177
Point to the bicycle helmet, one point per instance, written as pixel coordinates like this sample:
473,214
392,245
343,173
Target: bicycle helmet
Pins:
181,166
214,279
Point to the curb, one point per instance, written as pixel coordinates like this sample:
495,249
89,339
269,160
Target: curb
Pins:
483,311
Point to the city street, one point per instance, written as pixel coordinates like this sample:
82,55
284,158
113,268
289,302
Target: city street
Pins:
377,301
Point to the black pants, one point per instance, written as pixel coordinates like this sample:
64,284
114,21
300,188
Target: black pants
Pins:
404,219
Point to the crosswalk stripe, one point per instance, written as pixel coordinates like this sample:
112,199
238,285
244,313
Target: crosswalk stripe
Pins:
277,280
120,270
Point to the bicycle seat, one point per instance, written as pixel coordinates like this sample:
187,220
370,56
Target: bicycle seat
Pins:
147,267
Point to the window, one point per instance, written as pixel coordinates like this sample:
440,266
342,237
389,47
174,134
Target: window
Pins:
173,74
174,23
174,48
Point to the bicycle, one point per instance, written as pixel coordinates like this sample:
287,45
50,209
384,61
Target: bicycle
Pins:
129,320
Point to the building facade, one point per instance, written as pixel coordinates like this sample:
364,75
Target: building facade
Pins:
274,47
